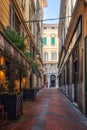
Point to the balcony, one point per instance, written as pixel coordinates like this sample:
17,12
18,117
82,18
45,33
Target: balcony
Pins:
8,48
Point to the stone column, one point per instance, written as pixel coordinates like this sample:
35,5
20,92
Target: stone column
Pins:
48,80
56,81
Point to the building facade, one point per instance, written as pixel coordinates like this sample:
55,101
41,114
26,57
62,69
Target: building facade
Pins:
15,66
73,59
50,54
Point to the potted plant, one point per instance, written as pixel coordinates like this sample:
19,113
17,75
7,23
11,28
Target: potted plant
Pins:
13,104
29,94
16,38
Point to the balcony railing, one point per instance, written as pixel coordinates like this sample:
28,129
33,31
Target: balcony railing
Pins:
7,46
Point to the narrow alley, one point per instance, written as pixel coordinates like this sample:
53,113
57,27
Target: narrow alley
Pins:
51,111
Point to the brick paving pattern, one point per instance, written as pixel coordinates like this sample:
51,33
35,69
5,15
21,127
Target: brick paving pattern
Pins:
51,111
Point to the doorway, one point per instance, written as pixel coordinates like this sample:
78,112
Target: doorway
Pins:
52,81
75,81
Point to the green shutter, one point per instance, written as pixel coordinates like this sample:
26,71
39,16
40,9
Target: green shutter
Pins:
52,40
45,41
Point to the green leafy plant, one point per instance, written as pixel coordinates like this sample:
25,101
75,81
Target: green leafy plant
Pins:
23,71
31,56
19,42
15,37
35,66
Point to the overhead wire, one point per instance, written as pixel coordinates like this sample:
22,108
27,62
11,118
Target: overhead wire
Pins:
47,19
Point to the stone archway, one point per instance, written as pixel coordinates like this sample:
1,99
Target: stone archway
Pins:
52,81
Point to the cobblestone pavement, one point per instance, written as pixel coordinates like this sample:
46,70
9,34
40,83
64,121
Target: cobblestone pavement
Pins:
51,111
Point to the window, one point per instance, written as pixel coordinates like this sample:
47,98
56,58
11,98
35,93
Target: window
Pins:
52,27
46,56
22,31
45,41
72,5
45,27
44,65
52,65
12,16
52,40
54,56
30,17
23,2
15,23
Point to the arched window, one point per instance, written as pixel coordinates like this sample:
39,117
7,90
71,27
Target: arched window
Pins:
46,57
54,56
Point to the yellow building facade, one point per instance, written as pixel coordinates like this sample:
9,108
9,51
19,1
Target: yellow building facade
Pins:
50,54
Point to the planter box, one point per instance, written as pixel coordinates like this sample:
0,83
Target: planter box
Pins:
29,94
13,105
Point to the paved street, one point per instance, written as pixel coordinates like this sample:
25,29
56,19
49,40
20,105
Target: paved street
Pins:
51,111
